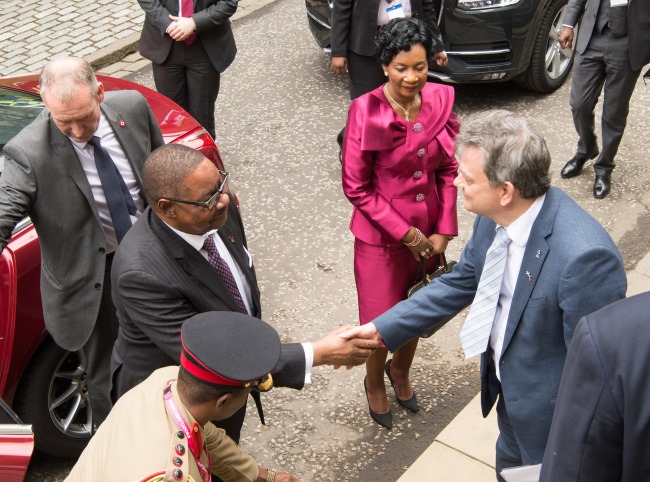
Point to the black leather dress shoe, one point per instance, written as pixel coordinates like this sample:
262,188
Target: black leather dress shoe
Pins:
602,185
383,419
574,166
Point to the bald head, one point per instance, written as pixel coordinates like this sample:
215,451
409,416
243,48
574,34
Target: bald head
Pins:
62,78
166,169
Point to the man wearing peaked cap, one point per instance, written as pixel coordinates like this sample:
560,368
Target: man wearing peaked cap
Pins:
162,429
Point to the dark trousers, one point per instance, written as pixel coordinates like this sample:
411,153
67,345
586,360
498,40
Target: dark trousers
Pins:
364,75
605,62
98,349
188,78
510,452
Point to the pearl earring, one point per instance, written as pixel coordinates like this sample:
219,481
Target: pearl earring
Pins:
386,73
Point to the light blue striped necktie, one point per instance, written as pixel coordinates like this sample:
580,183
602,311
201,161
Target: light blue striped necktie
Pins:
475,333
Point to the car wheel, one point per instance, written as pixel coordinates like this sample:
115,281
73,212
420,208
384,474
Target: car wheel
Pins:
549,64
53,397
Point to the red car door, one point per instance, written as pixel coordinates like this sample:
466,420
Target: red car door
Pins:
7,311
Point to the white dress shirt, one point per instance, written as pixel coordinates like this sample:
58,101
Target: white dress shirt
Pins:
197,241
519,232
86,154
382,14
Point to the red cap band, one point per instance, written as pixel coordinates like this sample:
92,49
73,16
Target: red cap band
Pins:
207,376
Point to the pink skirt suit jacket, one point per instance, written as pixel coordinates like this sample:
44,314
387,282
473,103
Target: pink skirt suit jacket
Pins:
397,174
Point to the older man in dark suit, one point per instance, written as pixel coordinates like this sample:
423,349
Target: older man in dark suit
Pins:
536,263
188,255
601,425
75,170
612,47
190,43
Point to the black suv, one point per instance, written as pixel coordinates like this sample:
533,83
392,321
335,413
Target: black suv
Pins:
488,40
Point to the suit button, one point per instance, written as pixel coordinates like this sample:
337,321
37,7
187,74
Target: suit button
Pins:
417,127
177,474
180,449
419,198
102,250
421,152
98,286
177,461
417,174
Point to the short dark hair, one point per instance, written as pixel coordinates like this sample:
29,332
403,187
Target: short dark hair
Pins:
399,35
512,150
197,392
166,168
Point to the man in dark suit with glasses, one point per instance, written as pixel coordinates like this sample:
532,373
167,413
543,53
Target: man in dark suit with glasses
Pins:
188,255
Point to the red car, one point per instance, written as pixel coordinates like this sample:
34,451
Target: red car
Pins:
40,381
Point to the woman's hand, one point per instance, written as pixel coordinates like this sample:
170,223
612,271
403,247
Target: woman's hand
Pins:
419,245
439,242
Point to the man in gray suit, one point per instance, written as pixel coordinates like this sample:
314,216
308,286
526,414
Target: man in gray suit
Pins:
613,45
53,175
190,43
167,271
560,264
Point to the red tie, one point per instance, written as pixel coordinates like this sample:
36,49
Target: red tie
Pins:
187,9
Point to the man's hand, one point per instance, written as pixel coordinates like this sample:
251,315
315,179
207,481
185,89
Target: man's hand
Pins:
441,59
181,28
367,332
339,65
566,38
335,350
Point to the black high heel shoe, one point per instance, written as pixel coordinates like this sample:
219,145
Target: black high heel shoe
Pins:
383,419
410,404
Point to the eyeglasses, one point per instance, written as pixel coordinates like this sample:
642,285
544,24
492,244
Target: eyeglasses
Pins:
210,203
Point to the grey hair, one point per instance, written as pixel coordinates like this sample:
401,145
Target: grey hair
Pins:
165,170
512,150
61,77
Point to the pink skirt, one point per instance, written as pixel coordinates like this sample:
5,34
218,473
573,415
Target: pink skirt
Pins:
383,275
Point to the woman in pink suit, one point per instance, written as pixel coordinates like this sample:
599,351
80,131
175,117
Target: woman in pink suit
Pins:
398,172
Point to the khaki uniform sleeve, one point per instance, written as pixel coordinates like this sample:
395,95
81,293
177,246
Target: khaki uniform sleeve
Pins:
229,462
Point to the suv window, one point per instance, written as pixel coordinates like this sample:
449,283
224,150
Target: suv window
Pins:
17,109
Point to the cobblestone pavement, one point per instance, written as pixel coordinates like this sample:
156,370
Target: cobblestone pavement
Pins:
105,32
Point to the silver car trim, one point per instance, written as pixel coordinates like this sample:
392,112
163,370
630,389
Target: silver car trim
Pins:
317,20
477,52
15,429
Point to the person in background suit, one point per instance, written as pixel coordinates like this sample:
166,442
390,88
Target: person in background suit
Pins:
160,427
166,271
354,27
613,45
55,175
601,424
190,43
556,265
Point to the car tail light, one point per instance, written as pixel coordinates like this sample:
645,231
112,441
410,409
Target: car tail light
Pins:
200,140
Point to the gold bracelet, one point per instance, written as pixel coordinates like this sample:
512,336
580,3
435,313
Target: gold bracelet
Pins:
270,475
416,240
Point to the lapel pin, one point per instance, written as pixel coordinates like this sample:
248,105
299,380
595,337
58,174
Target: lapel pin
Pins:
530,278
538,253
122,123
232,239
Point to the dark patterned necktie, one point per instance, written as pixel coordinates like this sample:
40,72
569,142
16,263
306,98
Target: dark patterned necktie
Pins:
222,269
118,198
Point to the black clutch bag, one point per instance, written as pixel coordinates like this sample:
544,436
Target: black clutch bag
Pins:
423,278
